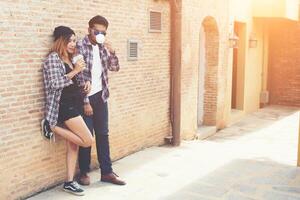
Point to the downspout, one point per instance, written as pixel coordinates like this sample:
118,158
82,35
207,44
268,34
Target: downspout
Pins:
264,95
175,60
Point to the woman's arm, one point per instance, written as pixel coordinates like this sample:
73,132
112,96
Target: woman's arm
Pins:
55,78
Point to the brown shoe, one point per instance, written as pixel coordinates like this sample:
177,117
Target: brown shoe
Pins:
112,178
84,179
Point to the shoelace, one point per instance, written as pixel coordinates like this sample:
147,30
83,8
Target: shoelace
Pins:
52,138
75,184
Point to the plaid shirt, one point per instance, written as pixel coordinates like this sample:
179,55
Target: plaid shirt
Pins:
55,80
109,62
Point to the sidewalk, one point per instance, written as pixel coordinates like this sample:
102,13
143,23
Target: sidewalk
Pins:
253,159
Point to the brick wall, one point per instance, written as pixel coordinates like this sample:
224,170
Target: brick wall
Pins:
139,103
211,70
284,63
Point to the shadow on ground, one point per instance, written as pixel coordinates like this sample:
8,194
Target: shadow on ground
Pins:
245,179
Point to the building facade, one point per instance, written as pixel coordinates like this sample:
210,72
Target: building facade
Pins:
234,58
221,82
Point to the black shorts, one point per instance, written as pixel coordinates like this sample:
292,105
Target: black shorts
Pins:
68,109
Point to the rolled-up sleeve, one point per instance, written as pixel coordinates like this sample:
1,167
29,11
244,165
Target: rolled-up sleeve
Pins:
113,62
86,72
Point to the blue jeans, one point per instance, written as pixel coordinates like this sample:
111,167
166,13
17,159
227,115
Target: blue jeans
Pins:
98,122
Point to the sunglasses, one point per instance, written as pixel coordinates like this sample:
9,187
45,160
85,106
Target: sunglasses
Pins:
99,32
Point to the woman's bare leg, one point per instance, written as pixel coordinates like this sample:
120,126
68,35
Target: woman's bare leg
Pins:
78,127
78,133
72,152
68,135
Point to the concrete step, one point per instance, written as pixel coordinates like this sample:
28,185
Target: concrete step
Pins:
204,132
235,116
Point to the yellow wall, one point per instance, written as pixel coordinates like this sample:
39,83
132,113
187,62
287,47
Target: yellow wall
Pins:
254,58
225,14
253,74
254,66
255,14
276,8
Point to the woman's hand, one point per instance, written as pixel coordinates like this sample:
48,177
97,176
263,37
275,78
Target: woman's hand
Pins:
79,65
88,110
87,87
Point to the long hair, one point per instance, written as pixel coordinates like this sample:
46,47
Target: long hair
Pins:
60,47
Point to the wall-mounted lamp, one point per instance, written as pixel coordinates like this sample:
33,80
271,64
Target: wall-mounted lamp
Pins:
252,41
233,41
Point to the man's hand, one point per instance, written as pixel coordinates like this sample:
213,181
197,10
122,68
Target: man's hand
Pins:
108,46
88,110
87,87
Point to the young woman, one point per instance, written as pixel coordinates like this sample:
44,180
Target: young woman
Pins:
64,100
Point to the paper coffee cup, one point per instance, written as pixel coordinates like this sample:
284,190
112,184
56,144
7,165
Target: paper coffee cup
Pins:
76,58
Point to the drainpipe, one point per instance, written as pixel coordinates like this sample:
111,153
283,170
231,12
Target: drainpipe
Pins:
175,59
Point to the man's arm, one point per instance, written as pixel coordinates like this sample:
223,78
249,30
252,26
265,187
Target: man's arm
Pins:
86,72
112,60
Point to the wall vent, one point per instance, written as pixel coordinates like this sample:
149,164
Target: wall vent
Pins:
133,47
155,22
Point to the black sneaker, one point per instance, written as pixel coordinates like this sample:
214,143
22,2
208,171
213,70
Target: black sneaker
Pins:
46,130
73,188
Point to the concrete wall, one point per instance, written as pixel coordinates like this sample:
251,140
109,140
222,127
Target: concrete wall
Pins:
140,92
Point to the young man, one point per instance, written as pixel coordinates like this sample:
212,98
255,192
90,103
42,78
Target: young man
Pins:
99,57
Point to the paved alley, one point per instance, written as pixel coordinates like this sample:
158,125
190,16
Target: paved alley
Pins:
254,158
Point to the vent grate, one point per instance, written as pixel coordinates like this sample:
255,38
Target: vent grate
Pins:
132,50
155,21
